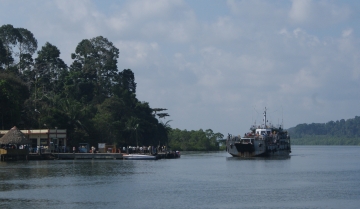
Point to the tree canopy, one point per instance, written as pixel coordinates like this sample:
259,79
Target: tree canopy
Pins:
194,140
18,42
91,98
340,132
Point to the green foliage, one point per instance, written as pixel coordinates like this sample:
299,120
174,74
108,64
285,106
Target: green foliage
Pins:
18,42
194,140
325,140
94,69
27,45
91,98
13,93
343,132
3,55
9,36
48,70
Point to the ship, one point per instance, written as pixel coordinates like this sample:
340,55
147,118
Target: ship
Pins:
262,141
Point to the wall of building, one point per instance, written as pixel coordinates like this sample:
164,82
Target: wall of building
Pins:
47,138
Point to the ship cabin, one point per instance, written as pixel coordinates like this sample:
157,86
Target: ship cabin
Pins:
263,131
247,141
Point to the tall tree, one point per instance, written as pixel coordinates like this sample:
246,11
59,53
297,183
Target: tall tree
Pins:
49,67
125,81
110,120
45,85
164,130
9,37
27,45
23,41
95,64
13,93
3,55
135,130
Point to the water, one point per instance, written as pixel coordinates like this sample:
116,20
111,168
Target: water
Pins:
313,177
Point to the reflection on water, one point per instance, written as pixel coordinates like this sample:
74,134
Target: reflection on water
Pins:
311,178
260,158
41,169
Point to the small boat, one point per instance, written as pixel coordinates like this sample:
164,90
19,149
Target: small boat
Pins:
139,157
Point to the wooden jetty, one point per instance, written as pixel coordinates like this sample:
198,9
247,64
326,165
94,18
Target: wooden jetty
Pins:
74,156
42,156
167,155
13,154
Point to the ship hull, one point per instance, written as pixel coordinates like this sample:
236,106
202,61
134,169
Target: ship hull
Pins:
257,148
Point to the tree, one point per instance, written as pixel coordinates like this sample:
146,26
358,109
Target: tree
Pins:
126,81
109,120
95,60
46,80
23,40
27,47
9,37
13,93
164,129
3,55
77,116
49,68
135,130
194,140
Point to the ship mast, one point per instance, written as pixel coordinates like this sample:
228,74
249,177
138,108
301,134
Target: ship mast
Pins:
265,118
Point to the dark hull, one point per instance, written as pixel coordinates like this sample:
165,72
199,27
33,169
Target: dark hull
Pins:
259,148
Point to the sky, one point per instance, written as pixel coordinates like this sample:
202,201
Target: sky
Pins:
217,64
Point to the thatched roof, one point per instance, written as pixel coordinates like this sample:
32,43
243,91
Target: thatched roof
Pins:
14,136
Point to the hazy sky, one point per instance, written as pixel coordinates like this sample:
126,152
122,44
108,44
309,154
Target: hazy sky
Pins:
217,64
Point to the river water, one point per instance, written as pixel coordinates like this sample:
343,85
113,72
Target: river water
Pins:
312,177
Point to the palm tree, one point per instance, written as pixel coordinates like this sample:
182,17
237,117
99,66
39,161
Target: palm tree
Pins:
167,128
133,127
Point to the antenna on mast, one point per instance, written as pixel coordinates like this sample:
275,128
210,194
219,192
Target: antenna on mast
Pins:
282,117
265,117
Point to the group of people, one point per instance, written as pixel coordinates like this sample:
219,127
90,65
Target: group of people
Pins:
9,146
144,149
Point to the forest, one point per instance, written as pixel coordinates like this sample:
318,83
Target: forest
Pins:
340,132
91,98
194,140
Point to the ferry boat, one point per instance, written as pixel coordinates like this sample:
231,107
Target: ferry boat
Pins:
263,140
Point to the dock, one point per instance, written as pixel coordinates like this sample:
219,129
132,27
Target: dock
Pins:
167,155
13,154
75,156
21,155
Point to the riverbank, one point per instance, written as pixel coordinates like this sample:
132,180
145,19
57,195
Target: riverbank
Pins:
90,156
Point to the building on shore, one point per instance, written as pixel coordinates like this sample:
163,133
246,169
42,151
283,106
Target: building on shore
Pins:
48,139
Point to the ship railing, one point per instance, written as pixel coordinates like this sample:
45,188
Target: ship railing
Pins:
262,126
235,138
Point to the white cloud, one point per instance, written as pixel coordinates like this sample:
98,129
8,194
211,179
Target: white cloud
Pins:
144,9
317,13
300,10
75,11
347,33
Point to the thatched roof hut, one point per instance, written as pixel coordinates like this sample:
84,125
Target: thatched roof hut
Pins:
14,136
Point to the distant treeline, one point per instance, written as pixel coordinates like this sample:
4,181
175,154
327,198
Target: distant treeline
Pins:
343,132
200,140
